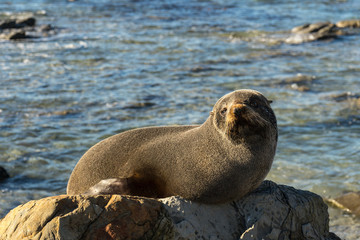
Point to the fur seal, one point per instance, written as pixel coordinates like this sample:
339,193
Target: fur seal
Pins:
221,160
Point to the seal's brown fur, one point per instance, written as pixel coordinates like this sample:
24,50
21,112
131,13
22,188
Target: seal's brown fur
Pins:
221,160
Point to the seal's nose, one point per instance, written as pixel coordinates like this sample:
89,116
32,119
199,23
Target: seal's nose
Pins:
237,109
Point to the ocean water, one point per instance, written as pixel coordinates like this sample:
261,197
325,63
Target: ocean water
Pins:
117,65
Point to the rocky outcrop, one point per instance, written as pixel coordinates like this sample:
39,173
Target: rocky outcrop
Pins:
18,23
354,23
298,82
22,28
322,30
270,212
308,32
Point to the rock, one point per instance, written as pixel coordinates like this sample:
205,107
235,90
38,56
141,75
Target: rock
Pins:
313,32
343,96
270,212
322,30
6,24
312,28
355,23
16,35
300,34
18,23
26,22
23,28
46,28
139,105
352,100
348,201
3,174
79,217
299,82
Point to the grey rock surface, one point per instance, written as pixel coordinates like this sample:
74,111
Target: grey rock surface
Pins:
270,212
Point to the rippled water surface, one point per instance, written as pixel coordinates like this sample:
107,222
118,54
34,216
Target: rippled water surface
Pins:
116,65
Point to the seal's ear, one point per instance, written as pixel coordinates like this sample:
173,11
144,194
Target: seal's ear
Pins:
270,101
211,113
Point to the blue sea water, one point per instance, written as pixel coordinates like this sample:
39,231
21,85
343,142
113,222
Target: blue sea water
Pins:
117,65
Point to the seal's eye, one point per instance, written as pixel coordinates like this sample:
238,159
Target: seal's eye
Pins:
223,111
254,104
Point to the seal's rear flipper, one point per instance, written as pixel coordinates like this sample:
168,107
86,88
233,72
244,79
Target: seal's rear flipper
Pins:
124,186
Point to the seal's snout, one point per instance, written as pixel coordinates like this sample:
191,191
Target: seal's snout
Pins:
238,109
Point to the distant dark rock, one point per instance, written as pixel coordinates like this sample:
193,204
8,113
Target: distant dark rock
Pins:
23,28
46,28
139,105
199,69
26,22
3,174
18,23
15,35
6,24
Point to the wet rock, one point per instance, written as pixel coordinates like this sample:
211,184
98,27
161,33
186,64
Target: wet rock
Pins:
15,35
139,105
313,32
312,28
26,22
3,174
46,28
348,201
270,212
352,100
18,23
6,24
299,82
345,96
341,97
300,34
322,30
355,23
200,69
23,28
62,113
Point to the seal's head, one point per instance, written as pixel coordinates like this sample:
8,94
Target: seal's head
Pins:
245,114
